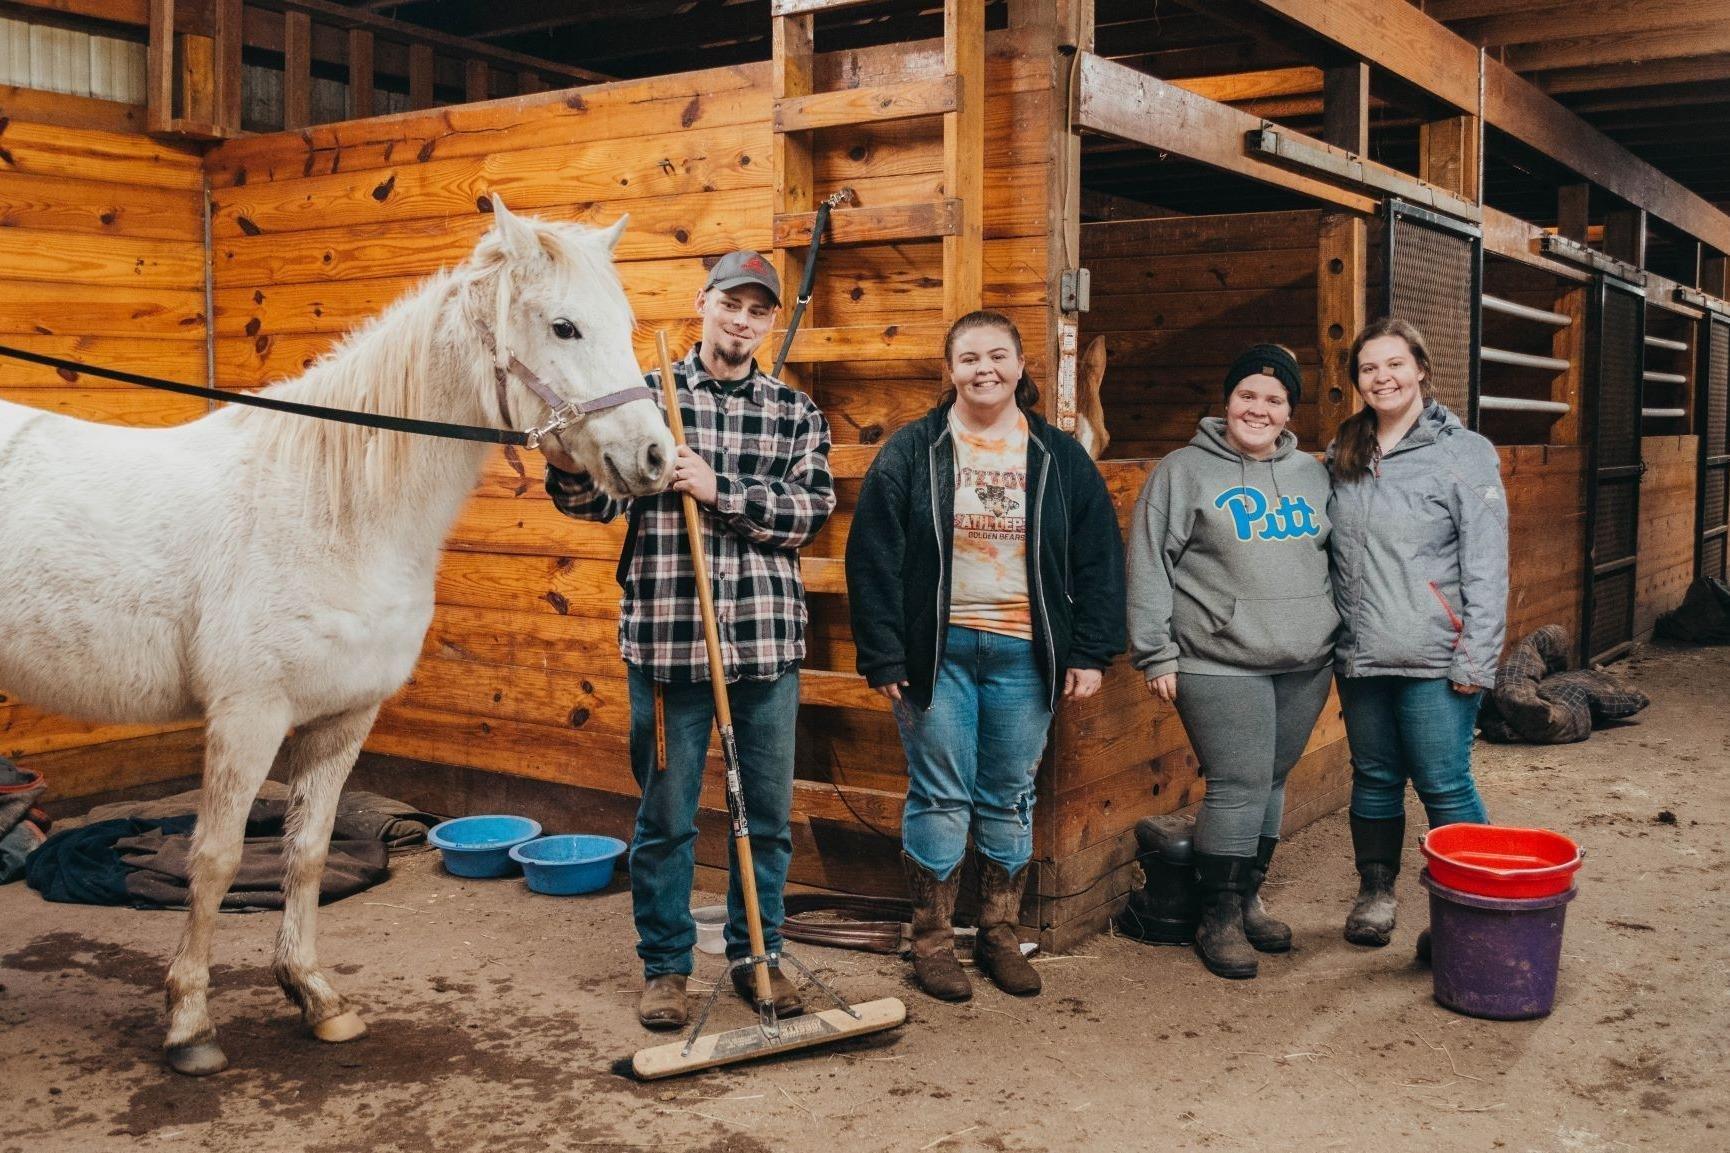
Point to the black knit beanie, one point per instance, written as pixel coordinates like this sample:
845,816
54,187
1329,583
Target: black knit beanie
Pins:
1270,360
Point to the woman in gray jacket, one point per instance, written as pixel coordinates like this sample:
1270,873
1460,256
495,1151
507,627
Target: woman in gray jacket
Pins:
1420,575
1231,619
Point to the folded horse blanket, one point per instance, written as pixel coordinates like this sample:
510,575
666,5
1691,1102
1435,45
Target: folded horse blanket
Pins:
1536,702
139,853
1703,617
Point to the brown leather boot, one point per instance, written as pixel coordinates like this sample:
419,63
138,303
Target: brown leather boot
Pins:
998,949
935,966
785,994
662,1005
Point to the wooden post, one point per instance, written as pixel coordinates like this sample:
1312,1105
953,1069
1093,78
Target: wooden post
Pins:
420,76
1341,304
1715,275
1573,211
296,70
1570,344
1346,108
197,79
226,65
1066,30
475,81
360,74
159,68
1448,156
790,157
964,156
1625,235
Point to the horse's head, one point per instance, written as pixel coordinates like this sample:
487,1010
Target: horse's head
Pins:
556,320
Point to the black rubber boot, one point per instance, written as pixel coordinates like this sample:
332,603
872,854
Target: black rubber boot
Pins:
935,965
1265,933
1219,938
1376,844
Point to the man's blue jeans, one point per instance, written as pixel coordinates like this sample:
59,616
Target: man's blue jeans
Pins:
972,757
664,849
1413,728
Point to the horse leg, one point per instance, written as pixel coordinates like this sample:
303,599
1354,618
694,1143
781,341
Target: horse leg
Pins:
320,756
241,740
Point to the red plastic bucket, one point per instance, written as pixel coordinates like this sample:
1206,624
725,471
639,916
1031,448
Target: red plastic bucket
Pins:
1501,861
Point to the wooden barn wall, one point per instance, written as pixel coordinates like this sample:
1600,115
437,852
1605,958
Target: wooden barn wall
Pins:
1177,298
1667,498
101,259
315,231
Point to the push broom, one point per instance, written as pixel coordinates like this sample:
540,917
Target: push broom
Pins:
769,1035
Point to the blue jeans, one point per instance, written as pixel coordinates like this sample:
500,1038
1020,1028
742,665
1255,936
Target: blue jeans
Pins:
664,849
1416,728
972,757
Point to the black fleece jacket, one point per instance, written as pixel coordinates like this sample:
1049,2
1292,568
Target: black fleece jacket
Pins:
900,549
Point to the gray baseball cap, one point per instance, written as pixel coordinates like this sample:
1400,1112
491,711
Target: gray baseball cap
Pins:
744,267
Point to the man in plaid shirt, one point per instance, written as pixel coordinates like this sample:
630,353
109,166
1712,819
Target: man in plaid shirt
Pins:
758,466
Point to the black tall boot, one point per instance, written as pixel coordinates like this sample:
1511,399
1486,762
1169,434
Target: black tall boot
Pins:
1220,938
1266,933
1376,844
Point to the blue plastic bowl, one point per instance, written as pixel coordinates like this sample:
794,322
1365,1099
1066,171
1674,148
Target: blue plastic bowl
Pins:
568,863
481,846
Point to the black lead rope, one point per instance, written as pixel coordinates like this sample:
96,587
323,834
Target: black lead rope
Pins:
295,408
818,225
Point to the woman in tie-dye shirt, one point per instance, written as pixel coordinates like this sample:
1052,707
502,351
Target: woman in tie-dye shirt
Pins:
985,574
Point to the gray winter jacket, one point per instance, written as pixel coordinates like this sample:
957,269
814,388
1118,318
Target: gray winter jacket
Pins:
1420,558
1228,564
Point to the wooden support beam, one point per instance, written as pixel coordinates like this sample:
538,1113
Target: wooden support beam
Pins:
1639,47
1514,239
1326,162
1119,101
882,225
1625,236
360,73
1346,108
1546,21
1574,211
1397,37
159,68
1655,73
868,105
1341,306
421,65
964,156
792,77
1450,155
296,70
197,78
226,64
1715,275
1514,106
475,79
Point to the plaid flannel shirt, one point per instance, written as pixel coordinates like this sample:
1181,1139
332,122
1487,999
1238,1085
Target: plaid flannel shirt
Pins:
769,447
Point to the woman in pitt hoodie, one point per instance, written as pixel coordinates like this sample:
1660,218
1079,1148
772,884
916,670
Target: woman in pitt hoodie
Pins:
1232,619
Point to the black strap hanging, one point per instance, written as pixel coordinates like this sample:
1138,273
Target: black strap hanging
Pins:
818,225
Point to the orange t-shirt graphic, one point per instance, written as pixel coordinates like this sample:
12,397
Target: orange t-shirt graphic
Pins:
988,590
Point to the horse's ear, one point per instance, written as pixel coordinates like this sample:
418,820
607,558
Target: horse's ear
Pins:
512,237
610,234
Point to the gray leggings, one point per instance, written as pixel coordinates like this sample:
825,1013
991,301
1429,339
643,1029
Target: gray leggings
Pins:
1248,732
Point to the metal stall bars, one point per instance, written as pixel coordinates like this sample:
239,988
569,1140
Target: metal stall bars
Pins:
1552,365
1434,273
1616,357
1712,389
1665,399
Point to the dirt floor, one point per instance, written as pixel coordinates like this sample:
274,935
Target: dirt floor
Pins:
496,1014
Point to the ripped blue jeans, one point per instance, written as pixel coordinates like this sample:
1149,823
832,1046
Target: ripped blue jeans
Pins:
972,757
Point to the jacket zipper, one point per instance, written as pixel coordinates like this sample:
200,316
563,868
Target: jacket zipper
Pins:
1036,503
942,613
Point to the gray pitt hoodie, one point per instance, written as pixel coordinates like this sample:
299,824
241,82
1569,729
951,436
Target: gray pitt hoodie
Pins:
1228,563
1420,554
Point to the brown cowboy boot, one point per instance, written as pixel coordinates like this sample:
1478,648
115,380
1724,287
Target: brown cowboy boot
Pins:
998,950
788,1002
662,1005
935,966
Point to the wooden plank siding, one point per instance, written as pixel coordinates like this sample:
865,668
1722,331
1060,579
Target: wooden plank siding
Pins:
1667,497
520,675
103,259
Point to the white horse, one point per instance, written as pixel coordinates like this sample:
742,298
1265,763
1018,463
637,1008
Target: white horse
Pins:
274,573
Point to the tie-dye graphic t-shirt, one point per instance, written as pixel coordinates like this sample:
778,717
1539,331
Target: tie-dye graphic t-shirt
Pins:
988,590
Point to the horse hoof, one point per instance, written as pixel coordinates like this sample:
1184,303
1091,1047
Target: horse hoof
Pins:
342,1027
197,1059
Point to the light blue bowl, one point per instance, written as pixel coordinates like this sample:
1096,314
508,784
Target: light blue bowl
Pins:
481,846
568,863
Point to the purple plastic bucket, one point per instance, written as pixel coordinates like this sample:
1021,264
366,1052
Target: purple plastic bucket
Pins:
1495,957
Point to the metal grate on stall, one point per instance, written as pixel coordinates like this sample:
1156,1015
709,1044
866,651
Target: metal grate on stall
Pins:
1614,535
1619,374
1433,273
1612,613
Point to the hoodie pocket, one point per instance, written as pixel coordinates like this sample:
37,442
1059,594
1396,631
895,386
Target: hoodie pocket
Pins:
1276,633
